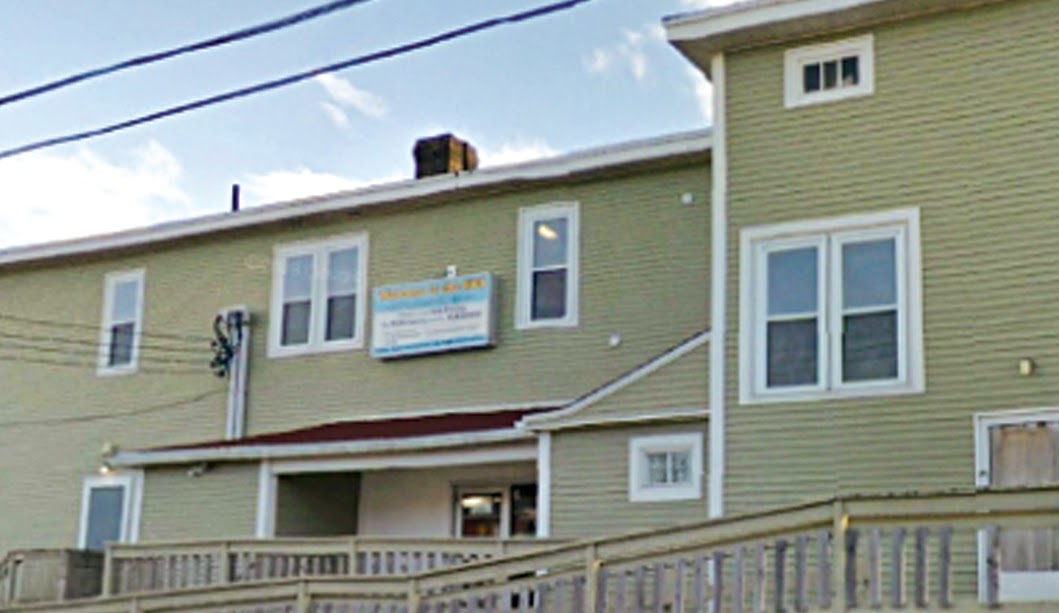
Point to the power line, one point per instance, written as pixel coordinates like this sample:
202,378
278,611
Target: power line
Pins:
79,326
116,415
92,352
81,364
216,41
94,343
297,77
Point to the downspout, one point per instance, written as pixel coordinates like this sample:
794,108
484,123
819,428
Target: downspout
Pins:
718,287
238,324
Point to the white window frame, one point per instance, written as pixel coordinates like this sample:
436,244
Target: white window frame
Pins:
132,504
829,235
317,320
110,282
796,59
528,216
641,446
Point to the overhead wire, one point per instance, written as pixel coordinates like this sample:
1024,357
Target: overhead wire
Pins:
209,43
82,364
79,326
94,342
113,415
93,351
298,77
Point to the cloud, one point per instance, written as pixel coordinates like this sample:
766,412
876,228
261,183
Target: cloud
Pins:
280,185
342,93
629,53
337,116
599,60
48,196
515,152
703,91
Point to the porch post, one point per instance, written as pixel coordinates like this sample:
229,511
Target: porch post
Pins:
544,484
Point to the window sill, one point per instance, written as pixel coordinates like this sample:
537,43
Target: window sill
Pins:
664,494
278,351
116,371
859,391
569,322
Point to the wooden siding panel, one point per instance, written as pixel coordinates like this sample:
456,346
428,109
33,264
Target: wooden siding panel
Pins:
221,503
961,125
590,483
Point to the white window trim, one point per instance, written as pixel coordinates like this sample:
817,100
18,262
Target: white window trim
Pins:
640,446
317,248
132,504
110,282
795,59
523,304
505,506
753,241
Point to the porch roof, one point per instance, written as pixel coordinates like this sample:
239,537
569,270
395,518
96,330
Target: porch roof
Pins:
398,433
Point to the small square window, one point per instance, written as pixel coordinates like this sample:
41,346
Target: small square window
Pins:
828,72
547,266
122,322
665,467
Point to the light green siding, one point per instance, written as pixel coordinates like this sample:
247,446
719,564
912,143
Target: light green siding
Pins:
323,504
220,503
641,250
962,125
590,483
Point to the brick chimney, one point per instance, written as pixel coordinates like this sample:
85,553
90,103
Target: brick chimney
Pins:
443,154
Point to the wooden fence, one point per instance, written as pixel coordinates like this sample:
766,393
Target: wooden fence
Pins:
872,553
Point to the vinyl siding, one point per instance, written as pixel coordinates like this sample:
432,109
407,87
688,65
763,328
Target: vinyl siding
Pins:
323,504
221,503
633,228
590,483
962,125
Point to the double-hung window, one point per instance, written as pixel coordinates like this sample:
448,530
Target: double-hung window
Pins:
119,345
665,467
318,294
831,309
548,266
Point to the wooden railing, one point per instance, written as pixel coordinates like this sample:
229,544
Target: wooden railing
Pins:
909,552
169,566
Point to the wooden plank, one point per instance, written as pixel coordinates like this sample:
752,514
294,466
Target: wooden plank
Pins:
823,569
945,567
801,579
758,595
601,591
678,586
897,567
922,586
641,579
717,592
738,573
875,568
779,576
992,562
619,592
658,589
850,574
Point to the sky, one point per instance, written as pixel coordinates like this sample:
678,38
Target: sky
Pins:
599,74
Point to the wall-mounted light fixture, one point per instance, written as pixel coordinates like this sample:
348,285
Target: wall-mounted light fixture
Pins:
1027,367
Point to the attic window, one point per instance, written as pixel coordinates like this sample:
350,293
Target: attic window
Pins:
829,72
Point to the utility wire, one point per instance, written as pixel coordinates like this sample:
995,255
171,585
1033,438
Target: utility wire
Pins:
116,415
80,364
216,41
94,343
92,352
78,326
298,77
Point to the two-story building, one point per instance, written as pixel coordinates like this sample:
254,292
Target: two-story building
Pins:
884,252
507,351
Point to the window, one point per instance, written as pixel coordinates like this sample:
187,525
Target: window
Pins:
665,467
828,72
109,510
831,308
548,266
318,294
497,511
119,345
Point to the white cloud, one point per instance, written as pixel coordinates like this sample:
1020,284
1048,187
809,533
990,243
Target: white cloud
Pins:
630,53
47,196
343,94
515,152
280,185
337,116
703,91
599,61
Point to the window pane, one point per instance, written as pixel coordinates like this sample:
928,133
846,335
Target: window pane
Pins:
295,323
850,71
657,472
792,281
480,514
121,337
341,312
549,242
298,277
124,301
342,272
105,506
830,74
524,510
549,295
792,353
869,273
811,77
681,467
869,347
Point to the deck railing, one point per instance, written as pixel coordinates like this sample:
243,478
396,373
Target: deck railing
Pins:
168,566
909,552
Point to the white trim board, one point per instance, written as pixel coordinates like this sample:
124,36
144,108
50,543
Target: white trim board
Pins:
718,288
131,483
540,422
551,168
306,450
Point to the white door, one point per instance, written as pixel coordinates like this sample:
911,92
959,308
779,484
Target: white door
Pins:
1026,453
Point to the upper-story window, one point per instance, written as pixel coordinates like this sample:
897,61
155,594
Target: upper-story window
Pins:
831,71
119,345
318,296
548,266
665,467
831,308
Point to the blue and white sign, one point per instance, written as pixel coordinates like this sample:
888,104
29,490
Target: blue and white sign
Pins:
432,316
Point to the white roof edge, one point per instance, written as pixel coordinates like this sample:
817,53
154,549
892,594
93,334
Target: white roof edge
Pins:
553,167
712,22
542,420
305,450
